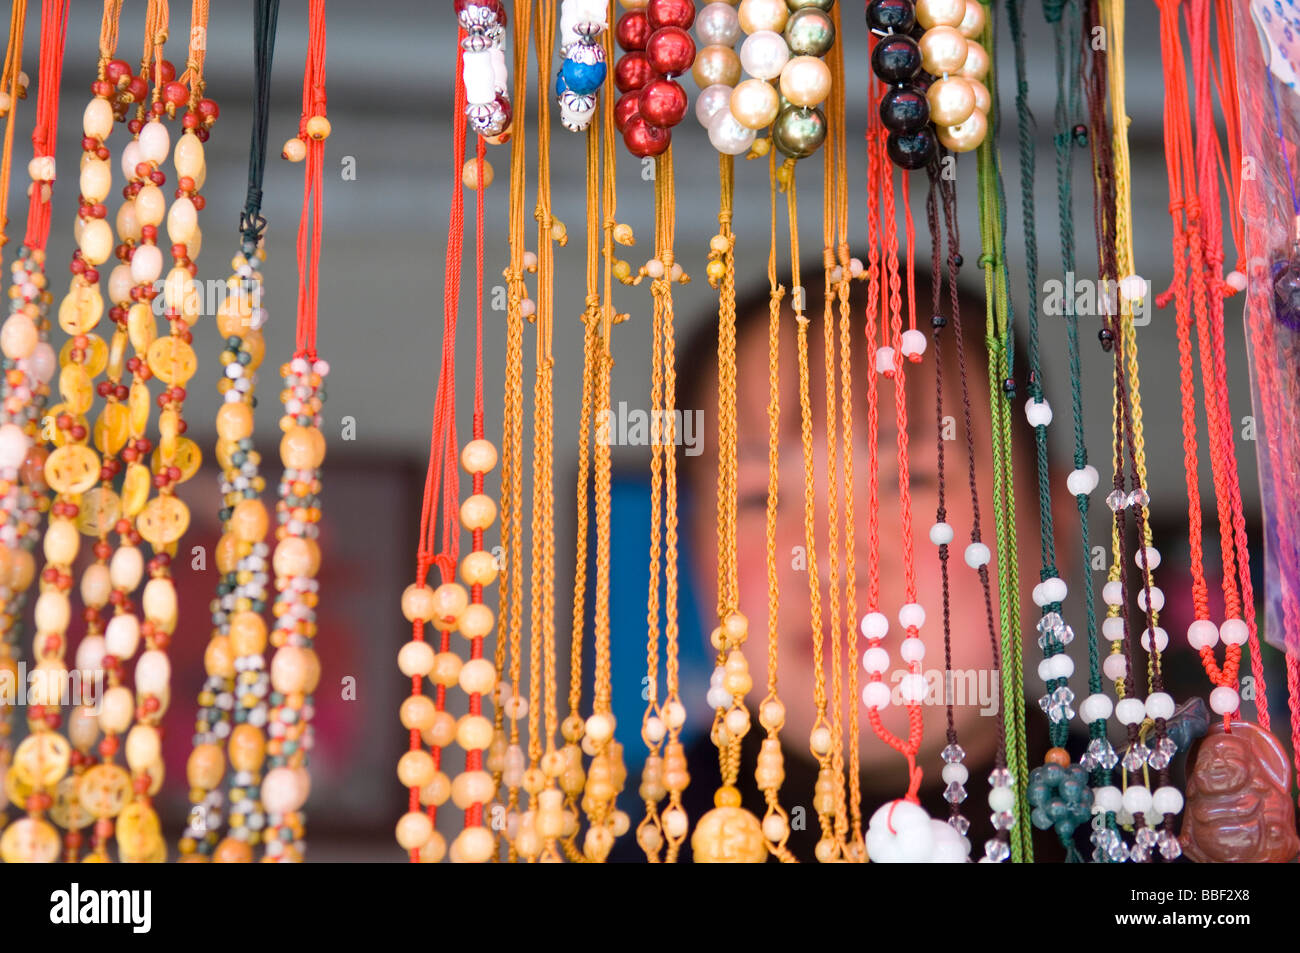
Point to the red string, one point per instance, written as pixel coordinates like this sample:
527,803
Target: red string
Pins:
54,31
309,223
911,254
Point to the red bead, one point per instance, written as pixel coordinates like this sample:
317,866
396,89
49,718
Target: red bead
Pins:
671,51
679,13
663,103
138,87
633,30
115,70
175,94
190,120
209,111
102,88
168,71
643,139
627,108
633,71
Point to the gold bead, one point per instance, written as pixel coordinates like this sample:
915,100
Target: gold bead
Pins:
318,127
469,174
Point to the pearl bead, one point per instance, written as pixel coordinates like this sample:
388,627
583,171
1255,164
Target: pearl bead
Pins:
810,32
764,54
1167,800
912,344
885,360
943,50
965,136
758,15
755,103
1083,481
976,65
931,13
1137,799
1202,634
1234,632
799,131
875,625
1038,412
1130,711
806,81
1236,280
972,20
711,100
1149,555
875,660
1224,700
1160,705
717,23
1096,708
716,65
728,136
951,100
977,555
983,99
941,534
876,695
912,650
911,615
1157,599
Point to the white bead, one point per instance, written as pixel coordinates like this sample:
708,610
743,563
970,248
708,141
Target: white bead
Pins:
717,697
1162,639
675,714
1002,799
1167,800
1152,556
1115,667
875,625
1045,669
1083,481
977,555
955,771
913,344
1055,589
711,101
1224,700
1112,593
1112,628
912,650
154,143
1202,634
146,264
727,135
875,660
1062,666
911,615
941,534
1133,287
1096,708
1107,800
1234,632
764,54
1137,799
1037,594
1130,711
1236,280
900,832
1157,599
885,360
1038,412
912,688
875,695
1160,705
122,635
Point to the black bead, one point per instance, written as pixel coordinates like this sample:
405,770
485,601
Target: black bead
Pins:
886,15
911,151
958,261
938,321
916,32
1107,338
1080,134
922,81
896,59
904,110
1009,387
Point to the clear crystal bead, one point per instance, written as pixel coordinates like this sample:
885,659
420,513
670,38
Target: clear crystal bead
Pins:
1099,856
1000,778
1138,497
1004,820
1060,713
1045,703
996,851
1140,855
1065,635
1063,696
953,753
954,793
1162,755
1136,757
1146,838
1102,753
1116,499
1118,853
960,824
1170,849
1050,622
1086,760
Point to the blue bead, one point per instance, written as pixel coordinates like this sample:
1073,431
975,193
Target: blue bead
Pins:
583,78
560,86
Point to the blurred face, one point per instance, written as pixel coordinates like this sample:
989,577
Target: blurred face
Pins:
882,578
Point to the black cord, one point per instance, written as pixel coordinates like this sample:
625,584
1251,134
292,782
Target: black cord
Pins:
251,221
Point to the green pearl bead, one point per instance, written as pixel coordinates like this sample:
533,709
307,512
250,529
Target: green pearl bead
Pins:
810,32
798,133
809,4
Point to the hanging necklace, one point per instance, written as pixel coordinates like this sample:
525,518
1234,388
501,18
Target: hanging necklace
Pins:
44,756
237,684
295,667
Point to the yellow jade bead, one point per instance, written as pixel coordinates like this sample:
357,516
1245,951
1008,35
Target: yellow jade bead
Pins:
446,669
476,622
414,830
478,568
318,127
474,732
437,792
478,512
295,150
295,669
205,767
417,713
472,787
478,456
249,521
473,845
415,659
434,850
417,602
469,174
415,769
477,677
235,421
246,747
449,603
